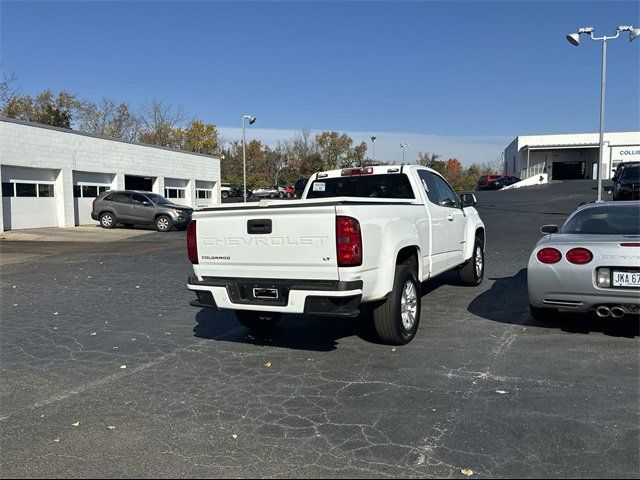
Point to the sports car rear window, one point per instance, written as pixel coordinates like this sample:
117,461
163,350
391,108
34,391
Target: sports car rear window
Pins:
609,220
367,186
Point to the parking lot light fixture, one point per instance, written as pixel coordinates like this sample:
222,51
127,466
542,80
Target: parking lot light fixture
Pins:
252,120
373,148
574,39
403,146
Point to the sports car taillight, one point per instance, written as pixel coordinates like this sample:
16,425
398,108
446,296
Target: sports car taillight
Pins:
579,256
348,242
192,242
549,255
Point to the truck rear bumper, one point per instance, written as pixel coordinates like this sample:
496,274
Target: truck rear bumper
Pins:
312,297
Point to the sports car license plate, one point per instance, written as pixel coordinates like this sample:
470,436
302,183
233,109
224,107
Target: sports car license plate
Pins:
626,279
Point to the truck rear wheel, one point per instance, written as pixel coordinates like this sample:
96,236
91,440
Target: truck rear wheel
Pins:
258,321
396,320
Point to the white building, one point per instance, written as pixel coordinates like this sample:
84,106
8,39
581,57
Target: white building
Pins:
569,156
50,175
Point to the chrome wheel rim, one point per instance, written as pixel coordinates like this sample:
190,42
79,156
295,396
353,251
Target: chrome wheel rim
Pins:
479,261
107,220
163,223
409,305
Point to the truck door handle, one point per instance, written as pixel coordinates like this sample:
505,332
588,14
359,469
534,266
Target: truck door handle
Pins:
259,226
450,218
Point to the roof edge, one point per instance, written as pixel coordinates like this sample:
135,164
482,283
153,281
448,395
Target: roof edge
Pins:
101,137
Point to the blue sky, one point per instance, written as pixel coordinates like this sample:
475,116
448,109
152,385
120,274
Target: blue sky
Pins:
458,78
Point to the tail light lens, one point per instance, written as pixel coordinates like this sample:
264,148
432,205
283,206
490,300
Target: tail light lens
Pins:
348,242
549,255
579,256
192,243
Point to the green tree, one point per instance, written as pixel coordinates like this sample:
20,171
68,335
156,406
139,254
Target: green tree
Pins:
200,137
358,155
334,149
46,108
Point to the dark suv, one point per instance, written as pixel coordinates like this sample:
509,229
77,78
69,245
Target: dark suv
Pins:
139,208
626,182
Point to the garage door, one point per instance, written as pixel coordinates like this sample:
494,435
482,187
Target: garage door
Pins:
83,197
29,205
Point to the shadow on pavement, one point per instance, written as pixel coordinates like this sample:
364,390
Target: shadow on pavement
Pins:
507,302
320,334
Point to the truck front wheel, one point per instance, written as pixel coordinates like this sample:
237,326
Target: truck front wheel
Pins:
258,321
396,320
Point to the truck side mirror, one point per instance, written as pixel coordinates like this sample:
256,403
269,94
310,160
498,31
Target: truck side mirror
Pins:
549,229
468,200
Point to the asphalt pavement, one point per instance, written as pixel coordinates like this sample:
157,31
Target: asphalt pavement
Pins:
106,371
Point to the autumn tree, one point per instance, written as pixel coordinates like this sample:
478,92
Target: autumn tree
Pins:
200,137
108,118
160,124
358,154
334,149
430,160
46,108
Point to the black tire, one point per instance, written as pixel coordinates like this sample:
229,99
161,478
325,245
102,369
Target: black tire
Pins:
387,316
544,314
258,321
108,220
272,195
225,194
164,223
472,272
281,195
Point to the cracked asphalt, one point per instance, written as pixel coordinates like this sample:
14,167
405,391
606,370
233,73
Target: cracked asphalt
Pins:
482,387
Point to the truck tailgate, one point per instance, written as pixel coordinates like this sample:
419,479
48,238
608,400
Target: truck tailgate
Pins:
279,242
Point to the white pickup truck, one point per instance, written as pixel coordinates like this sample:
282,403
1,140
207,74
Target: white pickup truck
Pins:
358,236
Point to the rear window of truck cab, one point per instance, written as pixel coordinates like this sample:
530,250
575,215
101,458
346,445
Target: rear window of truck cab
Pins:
364,186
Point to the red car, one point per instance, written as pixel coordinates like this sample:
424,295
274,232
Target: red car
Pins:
289,191
484,180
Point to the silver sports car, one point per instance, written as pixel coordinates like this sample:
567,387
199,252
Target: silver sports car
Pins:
591,264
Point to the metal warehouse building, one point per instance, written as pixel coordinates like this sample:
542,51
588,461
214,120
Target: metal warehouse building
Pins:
569,156
50,175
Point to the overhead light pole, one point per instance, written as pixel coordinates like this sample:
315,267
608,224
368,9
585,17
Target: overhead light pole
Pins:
403,146
373,148
574,39
252,120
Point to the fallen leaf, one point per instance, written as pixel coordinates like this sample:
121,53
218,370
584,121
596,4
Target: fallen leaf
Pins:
267,364
133,339
77,424
93,334
393,349
56,440
501,392
15,304
15,286
55,313
116,348
137,286
111,427
234,436
167,333
466,471
123,366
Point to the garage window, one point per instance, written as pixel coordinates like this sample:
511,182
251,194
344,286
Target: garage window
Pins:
203,193
23,189
88,191
45,190
174,192
26,189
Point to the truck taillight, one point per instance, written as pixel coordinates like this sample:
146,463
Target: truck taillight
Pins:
192,242
348,242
